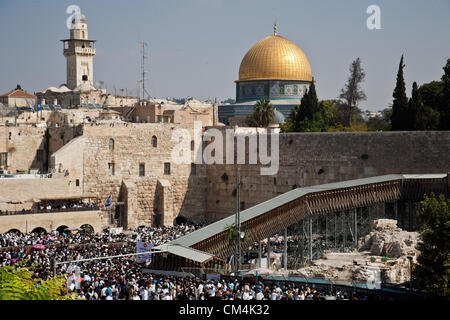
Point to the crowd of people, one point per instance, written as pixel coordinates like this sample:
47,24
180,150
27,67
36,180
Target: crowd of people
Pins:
57,206
138,286
66,205
124,279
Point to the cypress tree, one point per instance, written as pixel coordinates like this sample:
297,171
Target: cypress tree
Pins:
416,114
309,106
400,106
445,104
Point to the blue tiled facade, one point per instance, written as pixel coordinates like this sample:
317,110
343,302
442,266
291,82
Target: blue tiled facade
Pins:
270,89
283,94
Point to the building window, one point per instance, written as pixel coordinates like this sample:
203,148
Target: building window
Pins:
40,155
85,78
166,168
141,169
192,145
242,205
154,141
193,168
195,118
111,144
111,168
181,117
3,159
77,182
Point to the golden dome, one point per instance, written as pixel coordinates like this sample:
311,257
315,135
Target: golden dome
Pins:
275,58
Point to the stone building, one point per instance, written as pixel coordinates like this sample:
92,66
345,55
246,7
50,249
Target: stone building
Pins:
79,52
79,89
166,111
18,98
80,98
133,163
23,148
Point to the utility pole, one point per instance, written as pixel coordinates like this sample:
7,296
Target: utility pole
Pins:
143,71
238,223
285,260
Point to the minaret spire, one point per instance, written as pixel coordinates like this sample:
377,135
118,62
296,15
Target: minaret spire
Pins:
275,27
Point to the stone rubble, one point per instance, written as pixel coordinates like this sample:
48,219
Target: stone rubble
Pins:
385,249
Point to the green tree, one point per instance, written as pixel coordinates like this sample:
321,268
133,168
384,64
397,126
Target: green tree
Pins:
352,92
400,106
310,115
19,283
420,116
433,263
445,104
232,233
432,94
263,114
377,124
18,87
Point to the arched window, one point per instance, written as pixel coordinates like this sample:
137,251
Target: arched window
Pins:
111,144
154,141
82,32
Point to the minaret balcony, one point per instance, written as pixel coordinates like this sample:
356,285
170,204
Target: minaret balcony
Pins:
87,51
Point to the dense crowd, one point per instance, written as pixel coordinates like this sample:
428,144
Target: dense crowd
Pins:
138,286
123,279
66,205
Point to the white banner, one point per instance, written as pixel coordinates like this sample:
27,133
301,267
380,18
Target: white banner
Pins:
144,247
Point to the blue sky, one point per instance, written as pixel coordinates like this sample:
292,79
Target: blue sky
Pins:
196,46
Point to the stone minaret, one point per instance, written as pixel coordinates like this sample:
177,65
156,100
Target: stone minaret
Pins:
79,53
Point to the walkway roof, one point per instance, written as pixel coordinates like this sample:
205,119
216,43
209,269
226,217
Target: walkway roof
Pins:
259,209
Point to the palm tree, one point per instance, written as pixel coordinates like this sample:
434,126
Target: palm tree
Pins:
263,114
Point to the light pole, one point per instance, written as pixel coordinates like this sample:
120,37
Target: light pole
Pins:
238,224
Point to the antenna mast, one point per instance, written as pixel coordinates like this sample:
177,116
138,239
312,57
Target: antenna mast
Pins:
143,71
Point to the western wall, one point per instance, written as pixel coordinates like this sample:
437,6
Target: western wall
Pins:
82,157
308,159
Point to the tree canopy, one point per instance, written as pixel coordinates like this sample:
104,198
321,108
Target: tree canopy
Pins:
433,263
19,283
352,92
445,104
263,114
309,115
